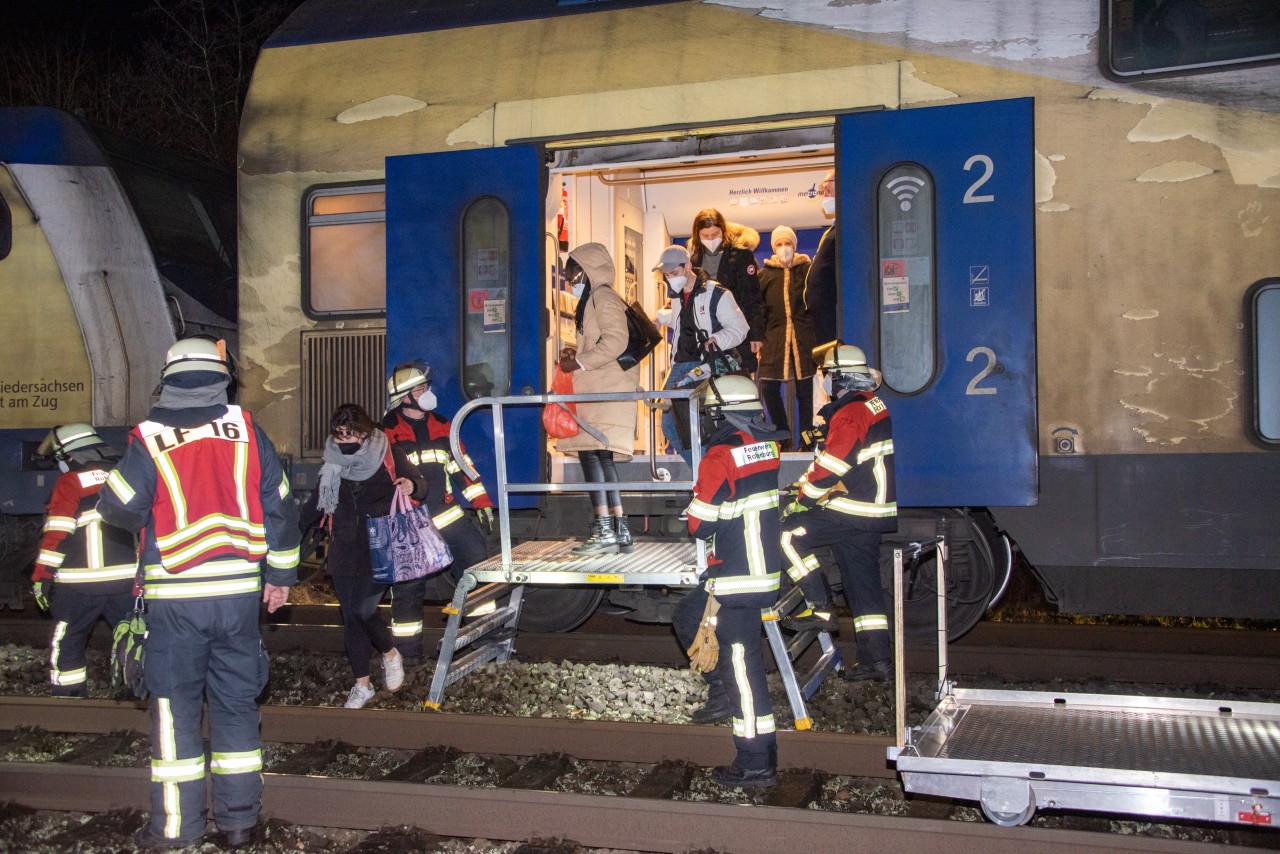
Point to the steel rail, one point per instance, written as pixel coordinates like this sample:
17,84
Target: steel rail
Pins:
634,824
846,754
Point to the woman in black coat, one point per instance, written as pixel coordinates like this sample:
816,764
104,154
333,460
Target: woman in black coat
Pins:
356,482
727,254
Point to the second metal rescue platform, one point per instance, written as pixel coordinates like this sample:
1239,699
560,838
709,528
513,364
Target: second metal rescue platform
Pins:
1016,751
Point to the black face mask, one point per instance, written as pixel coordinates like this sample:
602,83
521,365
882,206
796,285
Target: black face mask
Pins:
348,448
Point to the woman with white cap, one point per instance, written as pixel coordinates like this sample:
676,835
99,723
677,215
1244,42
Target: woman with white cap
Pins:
788,331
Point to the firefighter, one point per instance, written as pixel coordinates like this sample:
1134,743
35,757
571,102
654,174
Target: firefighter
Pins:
93,564
735,505
846,500
207,485
412,423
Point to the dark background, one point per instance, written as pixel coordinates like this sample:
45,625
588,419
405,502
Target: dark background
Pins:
171,72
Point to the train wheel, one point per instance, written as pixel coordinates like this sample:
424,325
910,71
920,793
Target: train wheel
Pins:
979,563
558,609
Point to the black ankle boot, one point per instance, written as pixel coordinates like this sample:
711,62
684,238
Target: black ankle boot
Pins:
602,540
622,533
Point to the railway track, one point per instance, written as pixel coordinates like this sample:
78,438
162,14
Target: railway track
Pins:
665,805
1169,656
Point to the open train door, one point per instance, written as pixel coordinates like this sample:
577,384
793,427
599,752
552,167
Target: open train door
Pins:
937,252
937,257
464,232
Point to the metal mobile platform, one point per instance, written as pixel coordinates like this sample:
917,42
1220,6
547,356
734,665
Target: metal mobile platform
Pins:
1016,751
487,630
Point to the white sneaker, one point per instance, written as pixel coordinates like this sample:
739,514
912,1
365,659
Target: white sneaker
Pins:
360,694
393,670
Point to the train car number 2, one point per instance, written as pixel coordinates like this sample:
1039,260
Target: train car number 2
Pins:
988,368
988,169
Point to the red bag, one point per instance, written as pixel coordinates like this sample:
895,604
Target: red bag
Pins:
557,418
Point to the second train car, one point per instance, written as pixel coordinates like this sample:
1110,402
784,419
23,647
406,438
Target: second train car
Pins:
1066,276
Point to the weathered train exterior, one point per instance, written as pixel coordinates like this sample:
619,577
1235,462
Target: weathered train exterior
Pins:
1119,449
111,248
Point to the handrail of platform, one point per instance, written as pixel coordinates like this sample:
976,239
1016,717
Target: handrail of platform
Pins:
916,549
504,488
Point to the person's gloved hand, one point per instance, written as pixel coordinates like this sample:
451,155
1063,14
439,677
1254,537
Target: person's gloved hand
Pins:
793,516
568,360
485,515
42,589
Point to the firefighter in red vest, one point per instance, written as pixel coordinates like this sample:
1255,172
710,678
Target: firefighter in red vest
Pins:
92,563
207,485
735,506
413,424
846,500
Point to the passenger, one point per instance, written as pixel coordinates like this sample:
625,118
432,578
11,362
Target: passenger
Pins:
207,485
715,319
727,252
413,426
787,356
846,500
602,336
735,506
361,472
92,564
821,286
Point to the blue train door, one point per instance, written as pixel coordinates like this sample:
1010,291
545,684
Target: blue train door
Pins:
464,234
937,256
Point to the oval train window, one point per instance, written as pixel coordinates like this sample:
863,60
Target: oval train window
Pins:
905,219
486,283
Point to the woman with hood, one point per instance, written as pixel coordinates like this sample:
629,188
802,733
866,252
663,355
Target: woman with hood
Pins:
601,325
726,252
787,355
360,475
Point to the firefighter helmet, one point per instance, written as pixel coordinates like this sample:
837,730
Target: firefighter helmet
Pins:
847,366
405,378
64,439
195,354
731,393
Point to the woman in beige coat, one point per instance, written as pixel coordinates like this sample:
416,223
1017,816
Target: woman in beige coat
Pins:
601,322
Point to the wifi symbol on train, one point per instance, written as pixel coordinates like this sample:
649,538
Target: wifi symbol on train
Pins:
905,189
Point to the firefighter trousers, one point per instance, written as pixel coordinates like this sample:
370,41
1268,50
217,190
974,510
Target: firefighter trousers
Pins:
204,650
857,554
75,615
739,632
466,544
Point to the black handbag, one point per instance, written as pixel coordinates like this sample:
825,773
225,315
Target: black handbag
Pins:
642,337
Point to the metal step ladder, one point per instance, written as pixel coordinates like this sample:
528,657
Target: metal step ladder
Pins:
481,628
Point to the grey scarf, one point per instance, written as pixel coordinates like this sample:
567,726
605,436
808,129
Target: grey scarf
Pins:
359,466
173,397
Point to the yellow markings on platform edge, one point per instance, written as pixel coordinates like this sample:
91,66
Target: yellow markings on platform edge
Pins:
603,578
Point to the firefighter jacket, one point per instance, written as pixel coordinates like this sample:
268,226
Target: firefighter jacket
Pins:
77,547
735,505
209,488
852,473
426,443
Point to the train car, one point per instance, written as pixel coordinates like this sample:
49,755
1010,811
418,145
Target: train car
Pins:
109,250
1062,262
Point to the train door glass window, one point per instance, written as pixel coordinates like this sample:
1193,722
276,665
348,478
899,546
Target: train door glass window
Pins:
1266,358
1177,37
486,275
6,230
345,258
906,262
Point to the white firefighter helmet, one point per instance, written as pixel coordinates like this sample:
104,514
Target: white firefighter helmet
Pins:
195,354
843,359
730,393
64,439
405,378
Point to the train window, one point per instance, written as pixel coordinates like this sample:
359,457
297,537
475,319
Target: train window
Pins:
345,258
1265,306
6,230
486,281
906,296
1148,38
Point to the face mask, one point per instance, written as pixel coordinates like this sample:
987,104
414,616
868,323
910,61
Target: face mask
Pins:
711,245
63,467
677,283
348,448
829,205
578,287
428,401
785,254
826,385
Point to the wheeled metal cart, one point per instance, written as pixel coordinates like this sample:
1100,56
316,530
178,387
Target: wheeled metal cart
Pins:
1016,751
